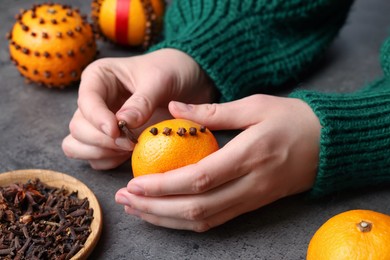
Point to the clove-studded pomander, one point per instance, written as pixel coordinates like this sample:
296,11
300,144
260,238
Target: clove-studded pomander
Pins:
133,23
51,44
171,144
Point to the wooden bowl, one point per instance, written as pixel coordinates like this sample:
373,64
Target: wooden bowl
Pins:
57,179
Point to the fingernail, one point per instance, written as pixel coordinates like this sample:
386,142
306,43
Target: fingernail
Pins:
124,144
135,189
121,199
182,106
129,116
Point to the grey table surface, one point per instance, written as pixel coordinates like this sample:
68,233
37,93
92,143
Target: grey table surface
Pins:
34,120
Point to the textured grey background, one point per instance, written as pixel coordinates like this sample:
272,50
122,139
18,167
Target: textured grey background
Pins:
34,120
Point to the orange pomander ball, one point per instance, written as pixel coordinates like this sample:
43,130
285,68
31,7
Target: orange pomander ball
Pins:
133,23
51,44
171,144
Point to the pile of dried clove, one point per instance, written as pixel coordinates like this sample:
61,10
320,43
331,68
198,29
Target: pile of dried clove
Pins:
42,222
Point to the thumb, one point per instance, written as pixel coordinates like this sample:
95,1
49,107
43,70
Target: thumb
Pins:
225,116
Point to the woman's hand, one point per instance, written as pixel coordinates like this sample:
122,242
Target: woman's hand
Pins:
275,155
136,90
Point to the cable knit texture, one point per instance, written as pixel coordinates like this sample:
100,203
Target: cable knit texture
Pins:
247,46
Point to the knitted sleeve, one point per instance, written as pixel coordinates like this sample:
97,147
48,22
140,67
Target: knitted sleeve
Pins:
355,135
249,46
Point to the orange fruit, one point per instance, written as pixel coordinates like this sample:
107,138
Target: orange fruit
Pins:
354,234
51,44
171,144
135,23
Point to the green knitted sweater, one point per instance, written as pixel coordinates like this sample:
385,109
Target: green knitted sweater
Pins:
250,46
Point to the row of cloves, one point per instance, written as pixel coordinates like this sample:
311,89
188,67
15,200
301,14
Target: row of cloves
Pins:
45,35
151,26
47,74
69,12
50,4
54,21
46,54
181,131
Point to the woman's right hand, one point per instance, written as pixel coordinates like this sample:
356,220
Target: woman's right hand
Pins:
136,90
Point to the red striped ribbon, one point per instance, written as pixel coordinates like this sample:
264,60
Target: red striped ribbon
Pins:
122,21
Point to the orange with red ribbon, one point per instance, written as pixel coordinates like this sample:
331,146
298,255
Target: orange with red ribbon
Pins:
135,23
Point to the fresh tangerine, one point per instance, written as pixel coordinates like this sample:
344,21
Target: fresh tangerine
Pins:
354,234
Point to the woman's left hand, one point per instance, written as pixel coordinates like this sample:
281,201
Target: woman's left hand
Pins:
276,155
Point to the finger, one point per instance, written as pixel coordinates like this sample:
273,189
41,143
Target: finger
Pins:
243,196
96,82
108,163
83,131
198,206
218,116
195,207
77,150
197,225
140,106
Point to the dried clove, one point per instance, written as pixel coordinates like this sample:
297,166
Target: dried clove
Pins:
25,51
25,27
129,134
153,131
193,131
47,74
181,131
167,131
70,53
42,222
73,74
